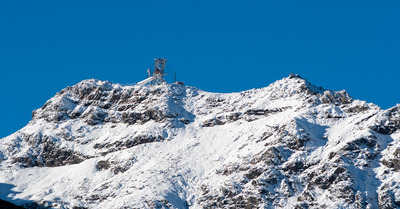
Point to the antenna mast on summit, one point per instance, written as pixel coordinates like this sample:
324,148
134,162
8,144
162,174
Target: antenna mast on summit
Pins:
158,73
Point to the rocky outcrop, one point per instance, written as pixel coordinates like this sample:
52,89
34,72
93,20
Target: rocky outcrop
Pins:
97,102
389,122
45,151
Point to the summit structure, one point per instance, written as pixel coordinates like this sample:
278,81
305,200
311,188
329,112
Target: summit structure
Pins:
157,74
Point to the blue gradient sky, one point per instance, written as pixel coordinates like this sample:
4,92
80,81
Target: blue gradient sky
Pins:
218,46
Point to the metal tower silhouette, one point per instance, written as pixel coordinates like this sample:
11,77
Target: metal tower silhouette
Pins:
158,72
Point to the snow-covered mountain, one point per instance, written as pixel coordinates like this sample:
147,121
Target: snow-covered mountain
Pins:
289,145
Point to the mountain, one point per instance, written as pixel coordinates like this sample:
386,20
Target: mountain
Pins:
289,145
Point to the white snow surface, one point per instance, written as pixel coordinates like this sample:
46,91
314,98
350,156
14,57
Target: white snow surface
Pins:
205,150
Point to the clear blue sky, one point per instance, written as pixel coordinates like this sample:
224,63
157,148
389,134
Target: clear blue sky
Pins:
218,46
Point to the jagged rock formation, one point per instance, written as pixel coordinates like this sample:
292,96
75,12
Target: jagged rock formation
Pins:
289,145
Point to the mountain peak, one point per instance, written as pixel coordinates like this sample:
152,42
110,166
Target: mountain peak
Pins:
98,144
295,85
101,101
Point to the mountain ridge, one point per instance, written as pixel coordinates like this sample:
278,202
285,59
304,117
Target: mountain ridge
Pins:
99,145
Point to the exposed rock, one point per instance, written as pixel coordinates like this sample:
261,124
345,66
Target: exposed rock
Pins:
44,152
339,97
389,121
103,165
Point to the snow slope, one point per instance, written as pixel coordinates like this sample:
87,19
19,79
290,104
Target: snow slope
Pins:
289,145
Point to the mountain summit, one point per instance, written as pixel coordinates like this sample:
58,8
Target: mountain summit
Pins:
289,145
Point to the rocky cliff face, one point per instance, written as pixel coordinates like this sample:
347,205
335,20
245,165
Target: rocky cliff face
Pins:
289,145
